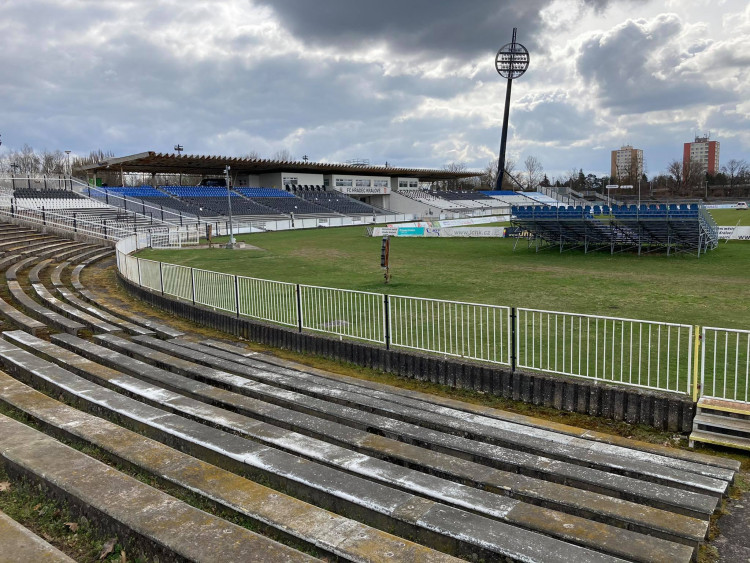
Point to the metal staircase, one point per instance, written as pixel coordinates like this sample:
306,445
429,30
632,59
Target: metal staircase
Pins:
722,422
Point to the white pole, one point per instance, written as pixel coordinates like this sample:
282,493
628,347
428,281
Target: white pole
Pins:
229,203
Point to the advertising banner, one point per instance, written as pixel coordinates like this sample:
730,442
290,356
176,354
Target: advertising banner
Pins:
444,232
363,190
455,222
734,233
410,232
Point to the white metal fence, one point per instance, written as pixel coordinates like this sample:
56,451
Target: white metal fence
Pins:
178,281
268,300
355,314
174,238
215,290
640,353
725,364
468,330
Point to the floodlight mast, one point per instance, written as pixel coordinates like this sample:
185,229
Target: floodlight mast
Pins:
511,62
229,205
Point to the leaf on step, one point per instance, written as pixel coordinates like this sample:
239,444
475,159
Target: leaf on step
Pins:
123,558
37,507
109,547
4,486
72,526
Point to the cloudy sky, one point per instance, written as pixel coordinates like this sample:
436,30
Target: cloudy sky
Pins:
411,82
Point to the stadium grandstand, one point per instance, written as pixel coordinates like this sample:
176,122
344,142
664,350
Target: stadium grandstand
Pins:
263,187
673,228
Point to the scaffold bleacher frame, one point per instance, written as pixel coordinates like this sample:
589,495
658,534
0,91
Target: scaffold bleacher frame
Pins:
670,227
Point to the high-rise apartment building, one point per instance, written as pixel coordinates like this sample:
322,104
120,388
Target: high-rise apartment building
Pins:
627,165
704,151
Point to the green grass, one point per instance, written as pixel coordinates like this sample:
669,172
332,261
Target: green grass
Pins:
730,217
710,290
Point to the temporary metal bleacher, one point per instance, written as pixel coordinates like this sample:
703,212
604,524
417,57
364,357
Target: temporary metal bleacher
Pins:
673,228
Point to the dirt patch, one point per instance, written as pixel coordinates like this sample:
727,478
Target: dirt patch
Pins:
244,246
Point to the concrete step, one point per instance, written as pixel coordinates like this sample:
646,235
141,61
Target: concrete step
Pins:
22,321
275,512
94,250
19,241
130,328
651,494
462,407
145,519
601,508
439,489
357,406
724,405
717,421
41,313
460,532
19,544
161,329
719,439
12,272
96,324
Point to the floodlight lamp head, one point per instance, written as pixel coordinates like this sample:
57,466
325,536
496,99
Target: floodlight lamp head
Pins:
512,60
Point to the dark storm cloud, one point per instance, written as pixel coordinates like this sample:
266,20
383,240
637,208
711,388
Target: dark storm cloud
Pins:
636,68
447,28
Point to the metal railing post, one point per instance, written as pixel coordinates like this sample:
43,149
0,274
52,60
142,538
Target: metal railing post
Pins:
237,295
138,264
192,283
161,278
299,308
513,339
696,355
387,322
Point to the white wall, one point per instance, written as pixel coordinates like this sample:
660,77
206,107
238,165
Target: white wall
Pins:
275,179
303,179
247,180
395,183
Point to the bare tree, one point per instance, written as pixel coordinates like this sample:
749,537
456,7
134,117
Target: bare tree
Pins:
694,176
28,161
453,183
511,178
52,163
284,155
534,171
674,171
253,155
488,179
735,170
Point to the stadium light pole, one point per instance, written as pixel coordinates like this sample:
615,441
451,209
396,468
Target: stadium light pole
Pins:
179,148
229,204
511,62
69,170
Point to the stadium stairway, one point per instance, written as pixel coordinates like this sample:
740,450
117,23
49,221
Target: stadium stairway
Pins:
320,465
722,422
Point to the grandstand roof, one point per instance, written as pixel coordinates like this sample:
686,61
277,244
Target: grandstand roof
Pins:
199,164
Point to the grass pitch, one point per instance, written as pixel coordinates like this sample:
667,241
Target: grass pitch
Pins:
712,290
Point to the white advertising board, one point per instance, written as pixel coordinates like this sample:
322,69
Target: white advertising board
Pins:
734,233
444,232
363,190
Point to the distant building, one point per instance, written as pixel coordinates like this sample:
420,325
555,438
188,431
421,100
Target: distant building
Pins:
627,165
704,151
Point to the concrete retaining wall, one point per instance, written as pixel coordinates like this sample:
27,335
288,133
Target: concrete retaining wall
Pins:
633,405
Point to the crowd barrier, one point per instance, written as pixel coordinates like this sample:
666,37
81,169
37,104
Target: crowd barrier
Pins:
675,358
